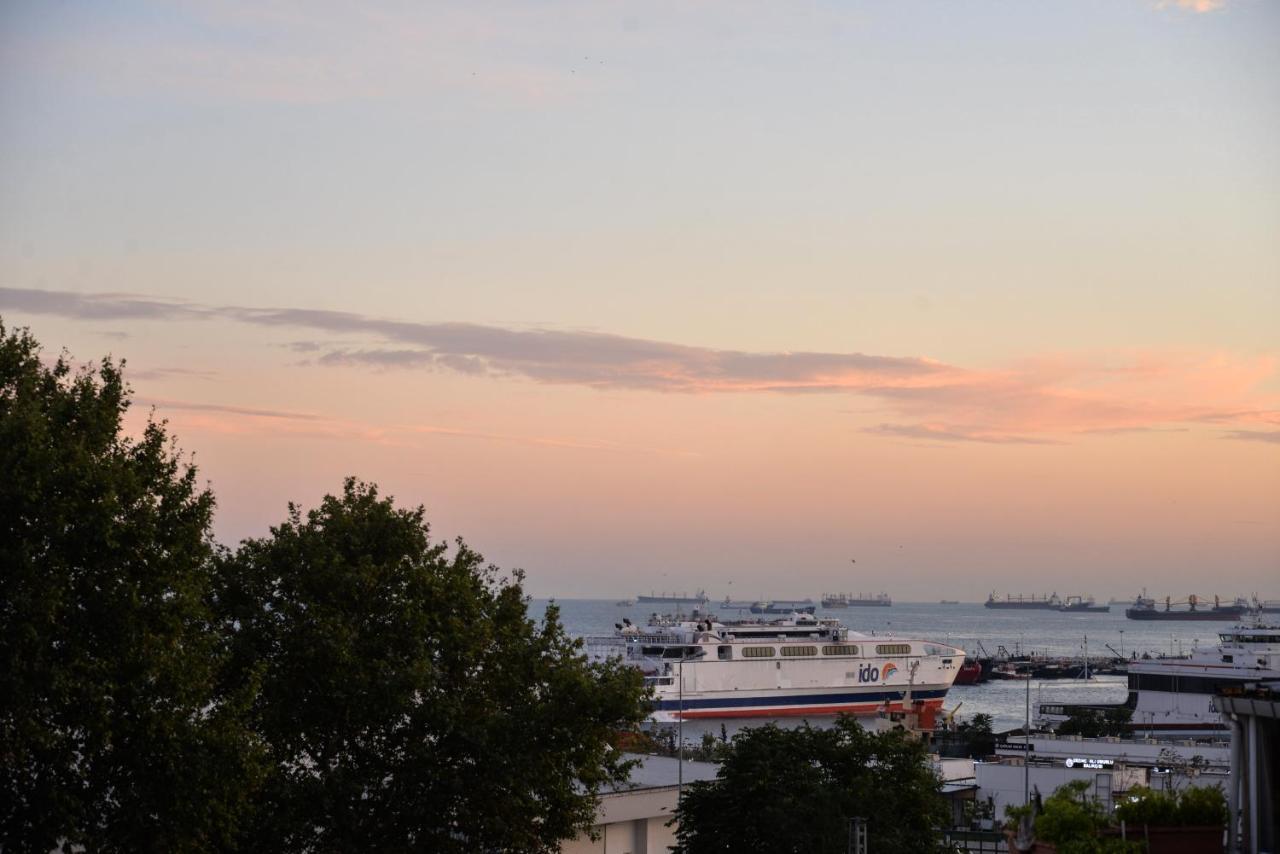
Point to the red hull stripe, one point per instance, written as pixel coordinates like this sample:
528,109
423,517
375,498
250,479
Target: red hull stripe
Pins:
795,711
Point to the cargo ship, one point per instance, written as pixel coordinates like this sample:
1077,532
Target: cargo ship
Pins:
848,600
1044,603
784,606
700,598
1144,608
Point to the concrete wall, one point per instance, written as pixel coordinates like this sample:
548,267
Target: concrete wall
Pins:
630,823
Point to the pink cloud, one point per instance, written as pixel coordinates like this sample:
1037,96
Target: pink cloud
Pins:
1041,398
1197,6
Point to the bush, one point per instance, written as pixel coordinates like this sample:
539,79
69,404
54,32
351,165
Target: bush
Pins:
1193,807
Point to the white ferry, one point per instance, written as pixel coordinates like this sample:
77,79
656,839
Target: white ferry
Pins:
799,665
1173,697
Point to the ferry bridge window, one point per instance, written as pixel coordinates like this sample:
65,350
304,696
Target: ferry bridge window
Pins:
792,651
840,649
1181,684
1239,639
757,652
893,649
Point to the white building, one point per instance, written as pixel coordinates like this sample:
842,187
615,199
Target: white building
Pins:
1110,766
633,819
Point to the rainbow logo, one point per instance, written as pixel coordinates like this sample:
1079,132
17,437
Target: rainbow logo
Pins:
889,670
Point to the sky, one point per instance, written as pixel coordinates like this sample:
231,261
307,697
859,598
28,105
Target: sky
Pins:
666,296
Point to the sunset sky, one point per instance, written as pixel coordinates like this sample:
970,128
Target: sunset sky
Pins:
984,295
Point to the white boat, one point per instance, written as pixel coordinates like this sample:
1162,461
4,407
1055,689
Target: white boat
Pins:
798,665
1173,697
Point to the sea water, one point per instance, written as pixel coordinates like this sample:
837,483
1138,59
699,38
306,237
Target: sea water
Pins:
976,629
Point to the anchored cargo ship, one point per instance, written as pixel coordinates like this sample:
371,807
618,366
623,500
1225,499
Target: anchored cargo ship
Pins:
784,606
700,598
848,600
1045,603
800,665
1144,608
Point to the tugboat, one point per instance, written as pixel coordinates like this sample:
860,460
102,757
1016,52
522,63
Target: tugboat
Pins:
1144,608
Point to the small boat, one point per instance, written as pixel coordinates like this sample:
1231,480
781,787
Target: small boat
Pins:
1082,604
625,603
949,602
1007,671
970,673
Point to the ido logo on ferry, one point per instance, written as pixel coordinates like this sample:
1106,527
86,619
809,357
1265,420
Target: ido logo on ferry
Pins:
871,673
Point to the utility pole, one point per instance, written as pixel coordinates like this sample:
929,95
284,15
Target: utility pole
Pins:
1026,753
680,737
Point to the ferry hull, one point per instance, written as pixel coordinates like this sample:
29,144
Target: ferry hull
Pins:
863,704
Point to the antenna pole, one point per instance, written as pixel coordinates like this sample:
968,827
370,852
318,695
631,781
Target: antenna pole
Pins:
1026,754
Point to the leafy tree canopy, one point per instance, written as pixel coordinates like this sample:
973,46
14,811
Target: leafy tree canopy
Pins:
1091,723
1192,806
113,732
409,702
796,790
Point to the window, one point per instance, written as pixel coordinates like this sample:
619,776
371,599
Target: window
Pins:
893,649
840,649
725,652
792,651
757,652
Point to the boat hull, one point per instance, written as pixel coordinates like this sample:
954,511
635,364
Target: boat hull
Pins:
728,705
1222,616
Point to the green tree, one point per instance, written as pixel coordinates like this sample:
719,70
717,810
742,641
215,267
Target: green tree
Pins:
1196,805
408,700
113,732
796,790
1073,821
1097,723
981,740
